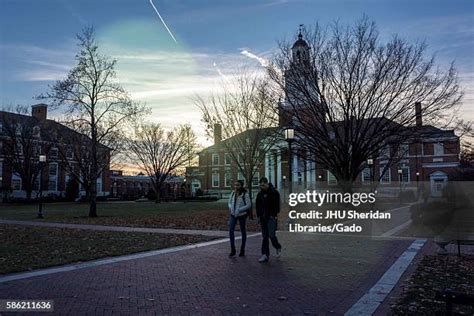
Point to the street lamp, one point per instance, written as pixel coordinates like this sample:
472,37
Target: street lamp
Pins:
400,172
289,137
417,185
42,161
370,163
184,195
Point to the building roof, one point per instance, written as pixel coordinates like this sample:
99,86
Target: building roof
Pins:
243,134
53,128
300,42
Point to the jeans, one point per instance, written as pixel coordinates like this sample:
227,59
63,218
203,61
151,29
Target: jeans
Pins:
269,227
232,222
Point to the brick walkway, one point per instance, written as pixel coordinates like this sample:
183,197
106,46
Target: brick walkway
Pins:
317,274
212,233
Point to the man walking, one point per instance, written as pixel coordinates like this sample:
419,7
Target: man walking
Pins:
268,207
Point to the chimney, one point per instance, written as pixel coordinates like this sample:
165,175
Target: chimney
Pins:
217,133
418,115
40,111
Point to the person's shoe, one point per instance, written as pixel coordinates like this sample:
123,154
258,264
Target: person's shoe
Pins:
263,259
232,253
242,253
278,253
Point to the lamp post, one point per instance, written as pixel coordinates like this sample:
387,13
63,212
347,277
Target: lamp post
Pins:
289,137
42,161
370,163
184,195
400,172
417,185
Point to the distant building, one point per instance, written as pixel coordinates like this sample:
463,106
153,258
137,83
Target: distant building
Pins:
133,187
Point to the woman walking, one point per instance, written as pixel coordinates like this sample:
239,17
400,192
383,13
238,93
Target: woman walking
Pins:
239,205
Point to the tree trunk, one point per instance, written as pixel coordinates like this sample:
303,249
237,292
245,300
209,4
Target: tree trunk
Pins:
93,200
28,194
158,197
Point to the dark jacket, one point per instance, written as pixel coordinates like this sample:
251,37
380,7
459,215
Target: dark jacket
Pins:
268,203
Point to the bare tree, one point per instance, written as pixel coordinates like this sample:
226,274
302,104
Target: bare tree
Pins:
97,107
22,144
245,108
350,94
161,153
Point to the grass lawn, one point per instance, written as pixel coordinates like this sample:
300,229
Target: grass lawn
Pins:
189,215
26,247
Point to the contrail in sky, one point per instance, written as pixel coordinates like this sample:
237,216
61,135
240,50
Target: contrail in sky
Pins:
263,62
163,21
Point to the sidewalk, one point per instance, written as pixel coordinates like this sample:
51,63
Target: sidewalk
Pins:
212,233
317,274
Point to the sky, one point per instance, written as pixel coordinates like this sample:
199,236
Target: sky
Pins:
214,39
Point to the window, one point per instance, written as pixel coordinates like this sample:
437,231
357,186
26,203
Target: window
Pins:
403,150
256,179
36,151
53,153
228,178
438,149
299,176
240,176
215,159
366,175
385,152
36,131
405,174
53,177
36,183
16,181
69,154
331,178
215,178
385,178
227,159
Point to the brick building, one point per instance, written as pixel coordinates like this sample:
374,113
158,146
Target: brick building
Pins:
429,154
39,136
132,187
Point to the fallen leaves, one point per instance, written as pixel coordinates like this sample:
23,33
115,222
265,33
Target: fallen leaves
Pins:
27,247
436,273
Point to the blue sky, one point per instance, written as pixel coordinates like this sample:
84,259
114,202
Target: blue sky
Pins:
37,42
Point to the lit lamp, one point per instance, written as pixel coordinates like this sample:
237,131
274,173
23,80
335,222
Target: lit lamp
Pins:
42,161
289,137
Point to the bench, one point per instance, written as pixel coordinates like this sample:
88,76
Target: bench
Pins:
460,242
451,297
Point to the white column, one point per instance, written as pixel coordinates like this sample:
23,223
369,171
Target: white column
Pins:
272,167
266,165
278,177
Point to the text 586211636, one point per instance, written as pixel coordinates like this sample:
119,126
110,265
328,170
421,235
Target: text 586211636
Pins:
26,305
